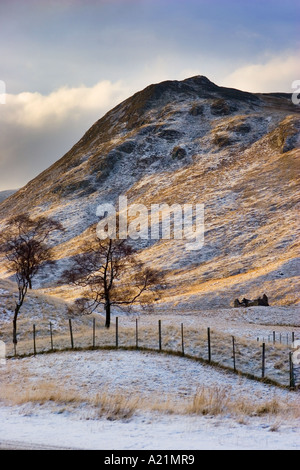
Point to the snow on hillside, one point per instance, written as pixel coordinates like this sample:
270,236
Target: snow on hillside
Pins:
174,142
6,194
188,142
250,327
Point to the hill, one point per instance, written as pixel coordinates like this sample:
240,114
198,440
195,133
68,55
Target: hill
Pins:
6,194
187,142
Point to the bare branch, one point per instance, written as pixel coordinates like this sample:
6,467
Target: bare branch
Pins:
24,245
110,275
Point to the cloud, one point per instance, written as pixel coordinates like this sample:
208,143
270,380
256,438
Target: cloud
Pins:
36,129
34,110
275,75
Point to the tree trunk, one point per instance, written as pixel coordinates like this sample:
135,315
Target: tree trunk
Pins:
107,311
15,327
22,293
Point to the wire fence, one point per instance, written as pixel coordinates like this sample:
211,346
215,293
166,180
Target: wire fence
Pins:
269,358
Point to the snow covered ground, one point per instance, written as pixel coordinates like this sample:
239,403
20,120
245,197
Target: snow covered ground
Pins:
59,400
144,432
121,399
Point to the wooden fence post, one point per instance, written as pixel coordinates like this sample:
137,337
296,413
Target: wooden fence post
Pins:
51,337
208,345
274,338
71,333
94,332
136,334
233,353
117,332
263,360
34,345
159,334
292,378
182,340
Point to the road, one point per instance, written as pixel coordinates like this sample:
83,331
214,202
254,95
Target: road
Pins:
19,445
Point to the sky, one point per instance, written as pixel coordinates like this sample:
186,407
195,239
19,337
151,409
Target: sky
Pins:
65,63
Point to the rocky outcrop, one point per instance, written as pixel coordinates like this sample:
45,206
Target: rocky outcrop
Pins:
262,301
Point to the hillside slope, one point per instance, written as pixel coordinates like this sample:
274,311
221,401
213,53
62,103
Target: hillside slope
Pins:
6,194
188,142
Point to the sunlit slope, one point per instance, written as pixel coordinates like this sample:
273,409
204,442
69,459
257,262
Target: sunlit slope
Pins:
188,142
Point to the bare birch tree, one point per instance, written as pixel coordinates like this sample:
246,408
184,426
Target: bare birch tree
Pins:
25,245
110,275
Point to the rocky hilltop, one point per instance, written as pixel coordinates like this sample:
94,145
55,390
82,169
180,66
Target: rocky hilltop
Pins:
188,142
